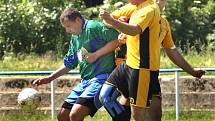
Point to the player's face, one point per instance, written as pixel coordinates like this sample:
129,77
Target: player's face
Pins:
73,27
161,3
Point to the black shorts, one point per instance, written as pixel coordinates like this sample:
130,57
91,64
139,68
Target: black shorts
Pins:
85,102
137,84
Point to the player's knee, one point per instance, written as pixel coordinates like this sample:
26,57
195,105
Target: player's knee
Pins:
124,116
156,108
59,117
62,118
141,114
74,116
124,101
63,115
108,93
141,117
108,97
136,116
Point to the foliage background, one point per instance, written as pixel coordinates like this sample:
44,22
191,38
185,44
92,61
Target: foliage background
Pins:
32,26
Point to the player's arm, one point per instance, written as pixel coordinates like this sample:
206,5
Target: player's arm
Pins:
174,55
121,18
108,25
109,47
179,60
59,72
126,28
122,14
70,62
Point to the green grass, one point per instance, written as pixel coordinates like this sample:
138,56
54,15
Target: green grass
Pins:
51,62
103,116
25,117
30,63
189,116
196,60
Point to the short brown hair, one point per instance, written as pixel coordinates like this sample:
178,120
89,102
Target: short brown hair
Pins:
70,13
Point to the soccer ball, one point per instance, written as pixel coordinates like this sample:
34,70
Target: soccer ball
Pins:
29,99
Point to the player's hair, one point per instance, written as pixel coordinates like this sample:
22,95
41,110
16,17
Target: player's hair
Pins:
71,14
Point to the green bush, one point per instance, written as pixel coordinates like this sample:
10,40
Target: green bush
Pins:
28,26
191,22
31,27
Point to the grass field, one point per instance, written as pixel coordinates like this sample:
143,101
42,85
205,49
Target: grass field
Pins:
196,60
103,116
51,62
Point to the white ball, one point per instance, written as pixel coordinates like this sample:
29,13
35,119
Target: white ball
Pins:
29,99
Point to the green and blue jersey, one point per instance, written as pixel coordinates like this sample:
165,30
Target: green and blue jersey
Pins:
94,36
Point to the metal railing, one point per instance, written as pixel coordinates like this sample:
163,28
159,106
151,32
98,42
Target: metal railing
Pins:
53,108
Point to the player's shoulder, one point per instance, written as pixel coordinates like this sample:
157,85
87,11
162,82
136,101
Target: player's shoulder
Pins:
164,20
94,24
128,6
149,8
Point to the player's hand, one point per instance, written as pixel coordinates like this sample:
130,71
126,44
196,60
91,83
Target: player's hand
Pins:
91,57
106,17
40,81
122,39
123,19
198,73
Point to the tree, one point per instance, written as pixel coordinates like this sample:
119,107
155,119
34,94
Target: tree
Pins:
190,21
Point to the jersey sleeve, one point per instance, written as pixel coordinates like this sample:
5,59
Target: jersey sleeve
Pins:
71,58
168,41
126,10
143,18
109,34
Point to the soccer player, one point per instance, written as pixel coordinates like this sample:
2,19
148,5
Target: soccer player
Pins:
127,75
140,73
88,36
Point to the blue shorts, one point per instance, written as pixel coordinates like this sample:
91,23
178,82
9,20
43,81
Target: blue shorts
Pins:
85,92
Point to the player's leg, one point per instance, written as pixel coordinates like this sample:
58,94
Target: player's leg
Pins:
155,109
126,114
143,84
69,102
85,105
152,113
110,91
141,113
124,99
108,96
156,103
78,112
63,114
82,108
